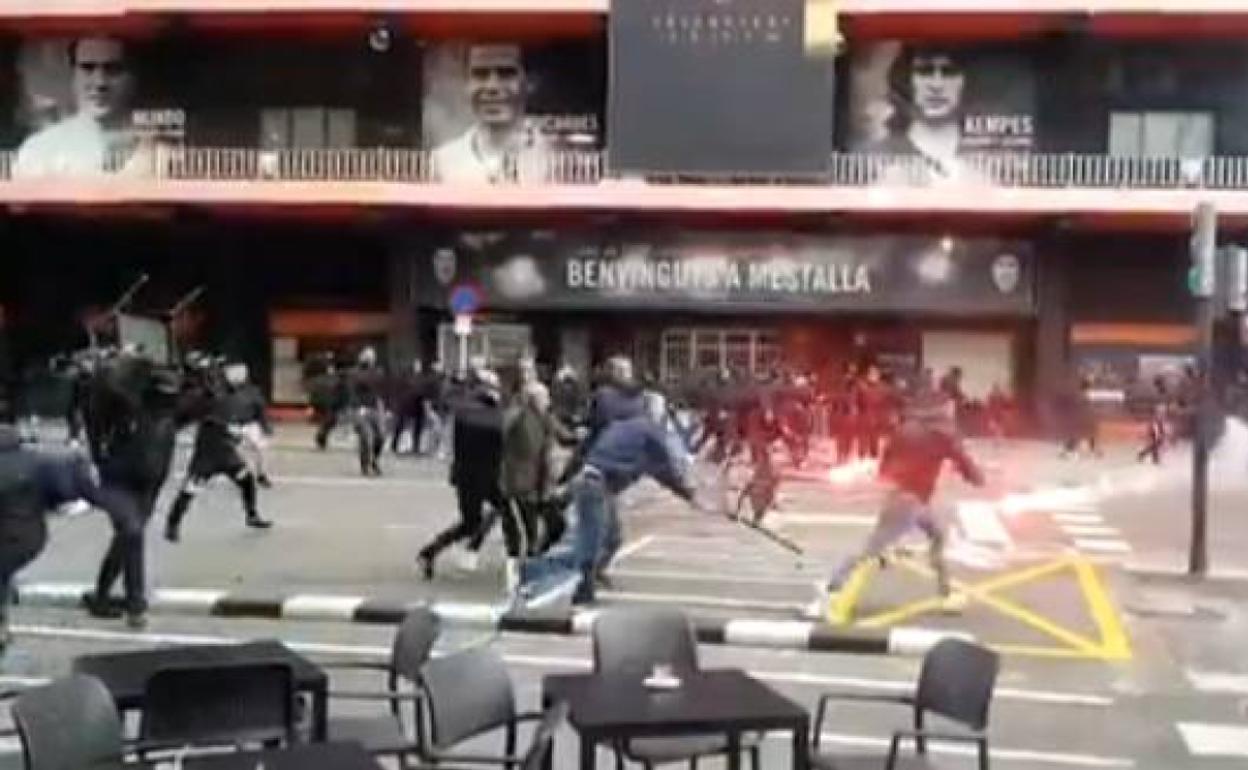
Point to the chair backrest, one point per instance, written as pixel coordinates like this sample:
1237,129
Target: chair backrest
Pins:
413,643
468,693
69,724
216,705
544,737
957,681
634,640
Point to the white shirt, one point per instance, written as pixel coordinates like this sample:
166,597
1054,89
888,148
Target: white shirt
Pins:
78,146
469,159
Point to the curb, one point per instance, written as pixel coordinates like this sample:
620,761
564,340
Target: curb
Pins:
1170,571
741,632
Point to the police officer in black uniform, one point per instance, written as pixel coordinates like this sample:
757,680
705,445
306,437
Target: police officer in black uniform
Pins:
31,484
216,451
132,423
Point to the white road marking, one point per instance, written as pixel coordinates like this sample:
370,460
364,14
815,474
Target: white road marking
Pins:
1171,569
530,661
633,547
1103,546
1216,682
1090,530
1078,518
998,753
1213,740
981,523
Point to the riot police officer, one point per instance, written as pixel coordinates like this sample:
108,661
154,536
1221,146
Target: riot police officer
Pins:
132,426
216,451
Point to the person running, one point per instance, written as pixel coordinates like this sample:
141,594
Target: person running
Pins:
910,468
625,451
476,461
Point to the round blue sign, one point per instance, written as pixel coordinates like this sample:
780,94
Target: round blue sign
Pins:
465,299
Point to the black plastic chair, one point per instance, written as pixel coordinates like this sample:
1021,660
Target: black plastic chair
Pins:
540,747
387,735
956,682
631,642
215,705
469,694
69,724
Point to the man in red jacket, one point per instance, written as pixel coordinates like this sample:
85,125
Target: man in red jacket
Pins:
910,467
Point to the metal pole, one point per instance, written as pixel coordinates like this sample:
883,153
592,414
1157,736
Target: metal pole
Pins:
1204,245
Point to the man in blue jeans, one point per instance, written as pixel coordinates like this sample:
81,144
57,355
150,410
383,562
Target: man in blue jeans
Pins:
623,453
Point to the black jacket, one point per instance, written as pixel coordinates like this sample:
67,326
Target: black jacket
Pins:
478,444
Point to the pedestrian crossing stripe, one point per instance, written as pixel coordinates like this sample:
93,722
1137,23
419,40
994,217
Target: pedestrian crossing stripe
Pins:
1111,644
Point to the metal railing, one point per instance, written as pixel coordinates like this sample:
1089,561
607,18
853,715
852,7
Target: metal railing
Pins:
1015,170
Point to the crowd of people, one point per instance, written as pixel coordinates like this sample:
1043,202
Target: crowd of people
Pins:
498,430
558,511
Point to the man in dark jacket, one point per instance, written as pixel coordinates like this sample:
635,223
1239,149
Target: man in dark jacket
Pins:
530,431
910,468
327,397
626,451
410,403
134,417
618,398
31,484
365,387
477,448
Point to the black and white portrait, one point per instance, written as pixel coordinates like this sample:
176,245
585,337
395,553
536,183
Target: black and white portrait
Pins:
499,112
940,105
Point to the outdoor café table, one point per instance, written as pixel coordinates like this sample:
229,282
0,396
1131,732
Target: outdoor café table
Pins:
605,708
308,756
125,674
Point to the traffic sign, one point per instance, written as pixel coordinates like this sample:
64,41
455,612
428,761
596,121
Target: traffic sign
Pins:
465,299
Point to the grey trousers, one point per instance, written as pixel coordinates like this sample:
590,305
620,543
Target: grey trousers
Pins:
901,513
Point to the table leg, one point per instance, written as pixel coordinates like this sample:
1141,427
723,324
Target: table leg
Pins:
320,714
589,750
734,751
801,746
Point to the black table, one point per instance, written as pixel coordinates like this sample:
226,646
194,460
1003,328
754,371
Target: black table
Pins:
605,708
125,674
310,756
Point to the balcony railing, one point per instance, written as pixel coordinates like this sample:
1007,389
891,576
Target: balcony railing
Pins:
1023,170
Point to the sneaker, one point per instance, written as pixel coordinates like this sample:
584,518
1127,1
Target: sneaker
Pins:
256,521
264,481
425,563
954,604
816,608
136,621
101,607
171,533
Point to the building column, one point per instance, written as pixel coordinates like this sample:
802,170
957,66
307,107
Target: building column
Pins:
404,342
1053,267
